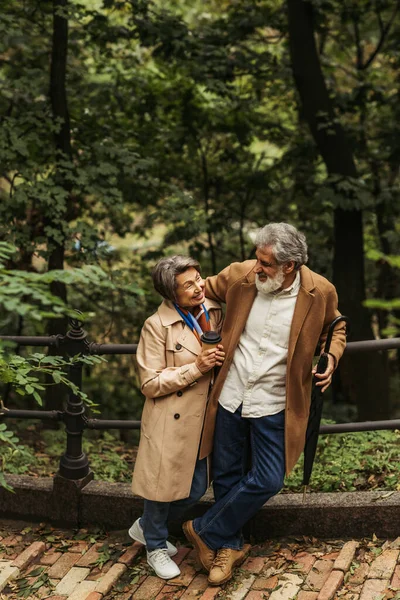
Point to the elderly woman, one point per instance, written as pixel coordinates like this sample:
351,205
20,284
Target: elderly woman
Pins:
176,375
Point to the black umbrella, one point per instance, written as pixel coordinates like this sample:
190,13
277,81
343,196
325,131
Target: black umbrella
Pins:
314,418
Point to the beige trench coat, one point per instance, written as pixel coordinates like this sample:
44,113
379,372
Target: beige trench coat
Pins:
176,399
316,307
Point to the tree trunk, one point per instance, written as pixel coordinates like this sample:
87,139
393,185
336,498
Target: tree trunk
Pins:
58,98
364,376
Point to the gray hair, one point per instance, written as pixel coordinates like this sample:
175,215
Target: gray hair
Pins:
165,272
286,242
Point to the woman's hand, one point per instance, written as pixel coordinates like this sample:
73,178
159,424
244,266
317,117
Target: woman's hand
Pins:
208,359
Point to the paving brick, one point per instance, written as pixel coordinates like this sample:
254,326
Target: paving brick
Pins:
90,557
123,595
265,583
12,556
168,592
149,588
82,590
241,591
307,595
56,598
50,557
330,555
63,565
188,573
256,595
93,596
319,574
360,574
7,573
384,564
196,588
372,588
304,561
71,580
110,578
354,591
290,587
193,559
346,556
79,546
131,553
331,585
286,553
29,554
210,593
97,573
183,551
254,564
395,583
11,540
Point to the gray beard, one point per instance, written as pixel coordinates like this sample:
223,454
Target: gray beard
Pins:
271,285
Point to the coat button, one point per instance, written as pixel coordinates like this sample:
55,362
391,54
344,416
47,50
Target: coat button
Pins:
177,416
178,347
180,393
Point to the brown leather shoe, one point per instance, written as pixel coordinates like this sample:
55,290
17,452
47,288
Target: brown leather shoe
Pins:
206,555
225,561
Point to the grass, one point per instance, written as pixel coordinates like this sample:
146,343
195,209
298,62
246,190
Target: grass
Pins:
344,462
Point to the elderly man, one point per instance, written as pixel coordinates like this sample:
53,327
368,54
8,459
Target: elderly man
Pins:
277,311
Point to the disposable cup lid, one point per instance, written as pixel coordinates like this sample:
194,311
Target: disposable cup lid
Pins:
211,337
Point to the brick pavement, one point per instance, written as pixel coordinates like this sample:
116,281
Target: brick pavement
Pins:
42,562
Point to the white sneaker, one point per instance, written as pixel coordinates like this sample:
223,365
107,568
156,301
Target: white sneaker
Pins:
136,533
164,567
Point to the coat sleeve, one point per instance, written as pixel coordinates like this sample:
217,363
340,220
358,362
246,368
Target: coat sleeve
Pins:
339,335
156,379
217,285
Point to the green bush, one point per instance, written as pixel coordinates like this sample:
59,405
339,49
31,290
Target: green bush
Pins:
352,461
344,462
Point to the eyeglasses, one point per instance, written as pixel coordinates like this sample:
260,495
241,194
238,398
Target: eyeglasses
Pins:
191,285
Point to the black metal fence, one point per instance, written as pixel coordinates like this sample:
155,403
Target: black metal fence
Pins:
74,464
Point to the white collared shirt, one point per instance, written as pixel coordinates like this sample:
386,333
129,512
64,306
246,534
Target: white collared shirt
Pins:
257,375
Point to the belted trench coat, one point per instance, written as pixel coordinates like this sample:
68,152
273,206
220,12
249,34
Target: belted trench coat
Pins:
176,399
316,307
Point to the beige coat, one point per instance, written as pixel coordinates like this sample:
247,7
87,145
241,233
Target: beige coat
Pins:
315,309
176,399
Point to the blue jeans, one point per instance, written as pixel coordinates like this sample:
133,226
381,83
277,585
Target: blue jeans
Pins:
239,495
157,514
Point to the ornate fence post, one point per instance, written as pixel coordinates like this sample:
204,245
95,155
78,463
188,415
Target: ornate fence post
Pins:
74,463
74,471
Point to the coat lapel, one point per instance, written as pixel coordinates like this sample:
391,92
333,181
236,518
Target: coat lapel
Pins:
188,340
248,292
169,316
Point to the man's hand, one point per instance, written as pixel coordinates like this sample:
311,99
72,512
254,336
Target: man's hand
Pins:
325,378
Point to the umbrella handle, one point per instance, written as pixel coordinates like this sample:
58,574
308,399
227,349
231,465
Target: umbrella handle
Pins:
322,363
331,330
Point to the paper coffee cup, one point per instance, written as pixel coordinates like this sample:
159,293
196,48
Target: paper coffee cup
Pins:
210,339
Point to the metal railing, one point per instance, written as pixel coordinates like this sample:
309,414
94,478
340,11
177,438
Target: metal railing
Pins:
74,464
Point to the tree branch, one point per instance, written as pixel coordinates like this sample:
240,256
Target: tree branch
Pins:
384,33
359,48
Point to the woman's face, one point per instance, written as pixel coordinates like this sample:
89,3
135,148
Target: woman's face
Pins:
189,288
